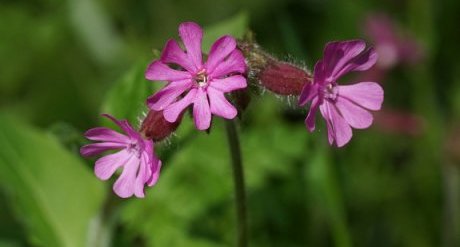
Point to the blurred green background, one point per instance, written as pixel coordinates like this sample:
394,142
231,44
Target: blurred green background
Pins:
62,63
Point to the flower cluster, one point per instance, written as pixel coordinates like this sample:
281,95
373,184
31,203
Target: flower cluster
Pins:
190,81
202,85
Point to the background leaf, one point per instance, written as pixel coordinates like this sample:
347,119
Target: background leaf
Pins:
235,26
126,98
54,194
325,190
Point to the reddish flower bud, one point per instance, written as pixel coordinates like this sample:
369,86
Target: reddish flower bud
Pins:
279,77
241,99
399,122
156,127
283,78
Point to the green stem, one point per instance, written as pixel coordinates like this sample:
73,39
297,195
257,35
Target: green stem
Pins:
238,179
451,226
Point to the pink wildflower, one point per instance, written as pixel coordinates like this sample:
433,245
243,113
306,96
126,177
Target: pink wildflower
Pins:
392,45
202,84
135,155
347,106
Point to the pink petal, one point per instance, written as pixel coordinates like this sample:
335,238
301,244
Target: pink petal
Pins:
309,91
142,178
172,53
366,94
152,162
219,104
168,94
355,115
172,112
229,84
341,130
125,184
339,53
345,56
201,111
220,50
97,148
155,173
106,135
147,156
124,125
106,166
310,120
320,75
234,63
327,118
192,34
362,62
158,71
148,153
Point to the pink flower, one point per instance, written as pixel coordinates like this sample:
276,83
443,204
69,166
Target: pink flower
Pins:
347,106
391,44
191,81
135,155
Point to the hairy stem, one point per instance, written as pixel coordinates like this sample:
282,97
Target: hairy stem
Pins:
238,179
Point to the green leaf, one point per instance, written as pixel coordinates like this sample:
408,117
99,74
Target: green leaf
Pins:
326,192
235,26
93,26
9,243
52,191
126,99
10,228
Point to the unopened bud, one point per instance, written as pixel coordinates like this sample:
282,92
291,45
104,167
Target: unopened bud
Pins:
241,99
280,77
399,122
283,78
156,127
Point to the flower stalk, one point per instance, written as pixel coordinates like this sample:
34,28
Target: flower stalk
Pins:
238,179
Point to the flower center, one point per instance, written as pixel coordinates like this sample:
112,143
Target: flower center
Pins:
133,147
201,79
330,92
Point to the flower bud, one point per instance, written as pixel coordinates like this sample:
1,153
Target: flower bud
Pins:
156,128
399,122
241,99
283,78
277,76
